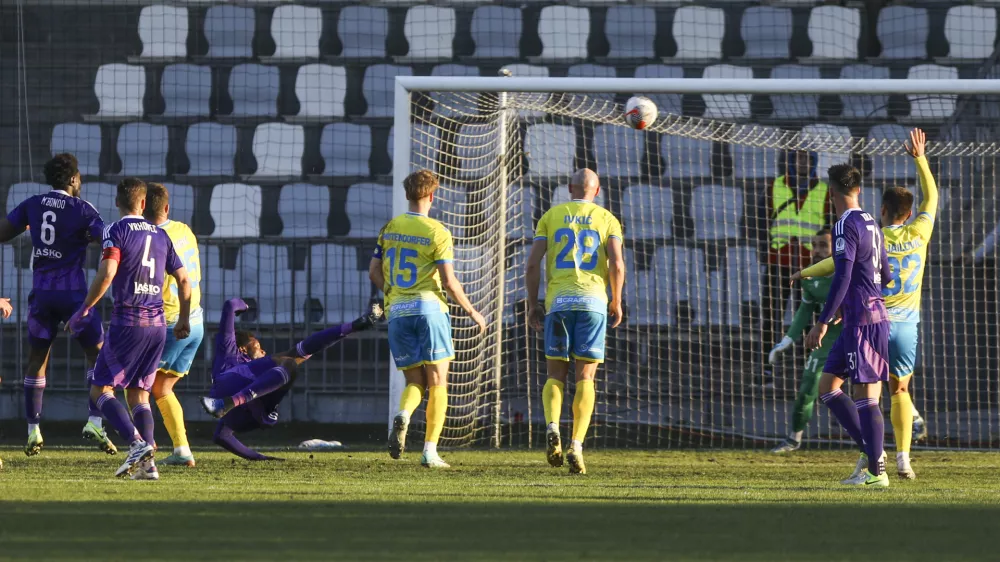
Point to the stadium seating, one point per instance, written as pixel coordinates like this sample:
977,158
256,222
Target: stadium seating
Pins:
903,31
143,148
182,202
366,209
666,103
82,141
743,281
727,106
563,31
236,210
230,31
451,206
593,71
320,89
340,286
278,149
698,32
424,146
647,212
217,282
120,89
496,31
211,149
717,212
795,106
631,32
936,108
163,31
766,32
296,31
751,162
186,90
102,196
834,32
893,168
615,151
864,106
346,149
449,104
687,156
823,134
528,70
21,191
550,149
971,31
265,273
363,31
378,88
522,202
475,150
430,31
560,195
254,90
304,210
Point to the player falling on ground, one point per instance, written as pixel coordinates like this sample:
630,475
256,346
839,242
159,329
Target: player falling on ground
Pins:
907,249
814,293
861,352
412,262
248,385
583,242
61,225
136,256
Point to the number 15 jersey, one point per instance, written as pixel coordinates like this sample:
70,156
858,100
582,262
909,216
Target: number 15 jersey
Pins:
576,263
411,246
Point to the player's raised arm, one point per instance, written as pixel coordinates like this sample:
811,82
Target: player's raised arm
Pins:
532,279
916,147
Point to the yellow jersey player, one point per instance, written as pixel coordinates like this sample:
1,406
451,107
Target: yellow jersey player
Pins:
412,263
906,245
178,355
583,242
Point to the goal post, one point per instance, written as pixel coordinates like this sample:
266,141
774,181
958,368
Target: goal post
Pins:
694,194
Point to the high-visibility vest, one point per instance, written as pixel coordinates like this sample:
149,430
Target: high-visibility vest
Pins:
794,221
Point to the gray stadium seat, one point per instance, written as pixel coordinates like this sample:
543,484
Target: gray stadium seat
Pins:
522,202
743,280
211,148
903,31
181,202
254,90
187,90
476,151
676,275
163,31
717,212
698,32
265,273
665,103
229,30
21,191
893,168
647,212
751,162
796,106
687,156
451,104
932,108
834,32
337,282
366,209
82,141
451,206
727,106
766,32
321,89
236,209
378,88
496,31
561,194
304,210
296,31
143,149
971,31
833,139
346,149
425,144
631,32
619,152
865,106
563,31
430,31
593,71
120,89
363,31
550,149
102,197
278,149
641,286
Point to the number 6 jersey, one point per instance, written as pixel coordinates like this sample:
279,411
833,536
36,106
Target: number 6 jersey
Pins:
576,263
144,253
411,246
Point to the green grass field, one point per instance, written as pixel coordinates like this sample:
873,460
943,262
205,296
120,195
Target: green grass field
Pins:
635,505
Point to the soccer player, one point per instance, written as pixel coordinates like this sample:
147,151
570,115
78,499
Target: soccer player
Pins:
61,225
412,262
178,355
247,386
861,352
5,311
907,249
136,255
583,242
814,293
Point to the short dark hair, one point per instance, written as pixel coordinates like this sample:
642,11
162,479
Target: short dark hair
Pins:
243,338
825,231
845,178
60,170
130,192
897,202
156,200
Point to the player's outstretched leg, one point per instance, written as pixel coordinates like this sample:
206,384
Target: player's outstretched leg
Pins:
269,381
94,429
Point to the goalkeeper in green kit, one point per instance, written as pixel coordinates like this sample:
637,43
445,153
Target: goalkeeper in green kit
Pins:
814,293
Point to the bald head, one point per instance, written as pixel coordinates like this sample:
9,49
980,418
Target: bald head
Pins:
584,184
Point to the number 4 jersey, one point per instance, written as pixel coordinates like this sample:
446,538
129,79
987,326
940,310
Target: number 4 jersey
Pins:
411,246
144,254
576,266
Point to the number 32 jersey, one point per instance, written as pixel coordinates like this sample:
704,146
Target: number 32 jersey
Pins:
411,246
907,247
144,254
576,264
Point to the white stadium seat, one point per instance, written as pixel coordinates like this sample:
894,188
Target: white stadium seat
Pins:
143,148
366,209
320,89
278,148
834,32
727,106
120,89
698,32
163,31
296,31
430,31
717,212
932,108
971,31
236,209
551,149
563,31
82,141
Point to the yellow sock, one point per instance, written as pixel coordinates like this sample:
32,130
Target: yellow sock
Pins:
412,395
552,397
583,407
902,421
437,407
173,419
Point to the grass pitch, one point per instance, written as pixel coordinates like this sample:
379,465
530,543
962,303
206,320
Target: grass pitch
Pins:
635,505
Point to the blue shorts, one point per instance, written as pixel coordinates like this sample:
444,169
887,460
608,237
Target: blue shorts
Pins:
861,354
576,333
420,340
903,338
46,309
129,357
178,355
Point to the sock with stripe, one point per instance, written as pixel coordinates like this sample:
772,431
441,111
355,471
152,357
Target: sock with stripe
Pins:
117,415
34,388
173,419
873,430
322,339
583,408
142,417
844,410
902,421
552,398
268,382
437,409
410,400
93,412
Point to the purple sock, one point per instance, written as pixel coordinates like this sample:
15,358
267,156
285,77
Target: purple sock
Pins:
225,438
843,408
117,416
873,428
94,411
270,381
34,388
142,417
322,339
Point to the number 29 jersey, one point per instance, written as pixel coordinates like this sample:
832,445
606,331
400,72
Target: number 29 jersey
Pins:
144,253
411,246
576,264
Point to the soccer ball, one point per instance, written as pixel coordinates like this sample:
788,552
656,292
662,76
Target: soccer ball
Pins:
640,112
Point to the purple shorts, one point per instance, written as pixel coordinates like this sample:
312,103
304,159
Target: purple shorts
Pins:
262,412
46,309
130,356
861,354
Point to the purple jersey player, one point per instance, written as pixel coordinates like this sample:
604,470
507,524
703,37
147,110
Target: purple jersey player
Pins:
247,385
61,226
861,352
136,255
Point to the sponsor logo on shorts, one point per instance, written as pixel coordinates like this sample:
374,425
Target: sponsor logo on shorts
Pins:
556,349
401,358
145,289
436,351
585,349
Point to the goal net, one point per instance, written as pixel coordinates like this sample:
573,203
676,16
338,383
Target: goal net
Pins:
707,256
